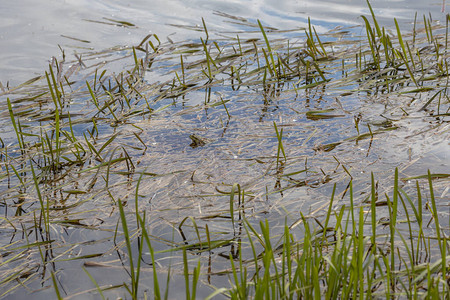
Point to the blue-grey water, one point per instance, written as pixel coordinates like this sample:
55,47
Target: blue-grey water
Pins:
30,31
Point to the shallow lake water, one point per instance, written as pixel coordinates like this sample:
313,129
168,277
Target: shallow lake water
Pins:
30,32
237,125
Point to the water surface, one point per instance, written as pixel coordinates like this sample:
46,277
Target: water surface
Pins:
241,149
30,32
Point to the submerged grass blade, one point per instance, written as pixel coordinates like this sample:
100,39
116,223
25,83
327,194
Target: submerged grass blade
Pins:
134,281
55,286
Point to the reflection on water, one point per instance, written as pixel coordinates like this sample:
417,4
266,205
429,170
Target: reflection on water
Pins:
30,33
319,139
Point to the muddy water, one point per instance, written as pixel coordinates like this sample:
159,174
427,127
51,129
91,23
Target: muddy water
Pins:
30,32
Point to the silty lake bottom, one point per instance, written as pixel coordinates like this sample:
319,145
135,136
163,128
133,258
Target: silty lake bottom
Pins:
239,164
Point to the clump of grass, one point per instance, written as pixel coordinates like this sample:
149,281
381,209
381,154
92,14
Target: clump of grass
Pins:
343,254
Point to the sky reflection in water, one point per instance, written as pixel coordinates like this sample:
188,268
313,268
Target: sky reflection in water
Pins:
30,33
